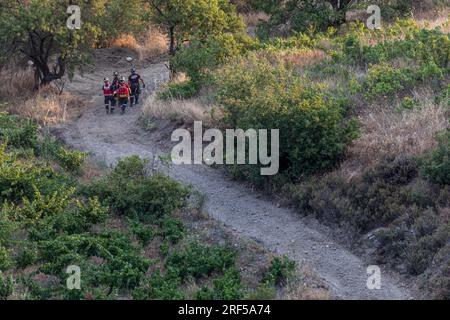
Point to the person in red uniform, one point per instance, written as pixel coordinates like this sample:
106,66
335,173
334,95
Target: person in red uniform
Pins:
108,93
134,81
123,94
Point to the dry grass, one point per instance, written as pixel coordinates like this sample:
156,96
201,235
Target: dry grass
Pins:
441,21
185,111
304,58
16,83
389,132
48,107
305,286
153,44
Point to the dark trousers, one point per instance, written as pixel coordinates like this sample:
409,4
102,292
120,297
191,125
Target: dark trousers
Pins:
110,101
135,92
123,102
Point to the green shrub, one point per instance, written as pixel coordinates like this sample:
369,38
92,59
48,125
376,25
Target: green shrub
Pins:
129,192
123,266
281,269
17,132
143,232
226,287
421,254
313,131
20,179
197,260
6,261
7,227
75,219
28,255
302,15
183,90
132,167
436,164
159,287
6,286
171,229
70,160
203,55
386,81
45,205
408,103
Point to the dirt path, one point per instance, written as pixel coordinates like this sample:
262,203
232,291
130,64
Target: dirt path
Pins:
281,230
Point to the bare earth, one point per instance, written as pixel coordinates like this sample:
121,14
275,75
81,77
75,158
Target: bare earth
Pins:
247,213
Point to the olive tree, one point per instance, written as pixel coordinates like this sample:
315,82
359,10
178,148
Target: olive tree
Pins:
37,30
185,19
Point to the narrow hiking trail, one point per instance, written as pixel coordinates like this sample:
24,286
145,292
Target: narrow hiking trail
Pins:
246,212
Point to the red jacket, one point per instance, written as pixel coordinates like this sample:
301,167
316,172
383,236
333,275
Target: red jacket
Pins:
123,91
107,89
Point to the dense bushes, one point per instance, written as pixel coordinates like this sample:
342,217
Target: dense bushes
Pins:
385,81
313,130
17,132
436,164
426,52
400,210
298,16
280,270
129,191
48,221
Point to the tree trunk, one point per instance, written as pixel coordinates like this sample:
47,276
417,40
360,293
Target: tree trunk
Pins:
39,51
172,48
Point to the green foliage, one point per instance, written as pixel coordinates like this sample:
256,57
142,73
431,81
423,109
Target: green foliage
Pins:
17,132
205,54
183,90
199,19
255,93
386,81
426,52
6,261
128,191
6,286
301,15
436,164
226,287
281,269
171,229
70,160
51,41
112,20
408,103
419,45
198,260
144,233
7,228
123,266
159,287
27,256
48,222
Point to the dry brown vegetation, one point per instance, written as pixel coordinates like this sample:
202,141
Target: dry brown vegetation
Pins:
305,285
152,45
46,105
386,131
186,111
16,83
